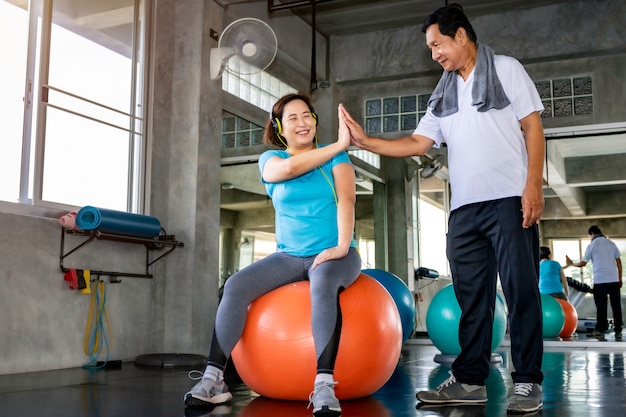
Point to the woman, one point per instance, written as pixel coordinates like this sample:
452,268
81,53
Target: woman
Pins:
552,280
312,188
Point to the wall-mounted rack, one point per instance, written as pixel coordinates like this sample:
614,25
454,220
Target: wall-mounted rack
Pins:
166,243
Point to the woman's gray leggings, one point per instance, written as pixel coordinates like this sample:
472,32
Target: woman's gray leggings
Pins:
327,280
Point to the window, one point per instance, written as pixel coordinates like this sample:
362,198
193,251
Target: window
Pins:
575,249
566,96
394,114
260,88
77,138
238,132
432,237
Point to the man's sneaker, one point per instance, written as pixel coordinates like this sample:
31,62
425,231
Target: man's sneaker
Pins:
526,397
618,336
324,401
453,392
597,335
207,392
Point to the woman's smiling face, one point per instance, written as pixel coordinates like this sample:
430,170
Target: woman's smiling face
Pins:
298,123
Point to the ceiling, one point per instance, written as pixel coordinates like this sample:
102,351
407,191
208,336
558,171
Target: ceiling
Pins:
342,17
585,174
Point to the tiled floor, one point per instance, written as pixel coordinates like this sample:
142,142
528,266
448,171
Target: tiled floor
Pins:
582,378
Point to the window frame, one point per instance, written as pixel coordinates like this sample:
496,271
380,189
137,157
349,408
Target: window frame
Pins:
40,24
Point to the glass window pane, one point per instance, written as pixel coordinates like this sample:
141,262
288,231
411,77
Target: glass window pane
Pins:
544,89
13,46
562,88
391,105
373,125
423,102
257,137
582,86
390,124
408,104
373,108
432,237
228,140
228,124
408,122
547,106
86,163
243,138
242,124
91,56
583,105
563,107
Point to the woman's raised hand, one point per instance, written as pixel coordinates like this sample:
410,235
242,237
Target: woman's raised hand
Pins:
343,133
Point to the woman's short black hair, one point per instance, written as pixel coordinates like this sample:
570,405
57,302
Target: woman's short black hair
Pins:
450,18
544,252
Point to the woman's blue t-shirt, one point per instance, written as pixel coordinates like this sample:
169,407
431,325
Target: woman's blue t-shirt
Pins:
550,277
306,210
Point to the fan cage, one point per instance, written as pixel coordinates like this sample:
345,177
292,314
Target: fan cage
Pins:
247,46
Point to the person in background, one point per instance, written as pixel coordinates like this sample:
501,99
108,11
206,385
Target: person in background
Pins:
313,191
552,279
606,263
487,110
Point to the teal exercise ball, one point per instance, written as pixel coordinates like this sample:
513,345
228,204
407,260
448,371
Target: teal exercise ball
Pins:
553,316
401,295
443,317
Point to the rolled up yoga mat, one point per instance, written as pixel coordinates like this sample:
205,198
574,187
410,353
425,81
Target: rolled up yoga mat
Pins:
117,222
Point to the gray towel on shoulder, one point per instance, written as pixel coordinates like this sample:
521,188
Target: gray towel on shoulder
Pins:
487,91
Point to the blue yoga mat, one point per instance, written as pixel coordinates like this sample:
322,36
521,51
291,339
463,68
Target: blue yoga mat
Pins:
117,222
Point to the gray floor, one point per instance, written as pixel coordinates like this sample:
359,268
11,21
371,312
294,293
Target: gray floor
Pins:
582,378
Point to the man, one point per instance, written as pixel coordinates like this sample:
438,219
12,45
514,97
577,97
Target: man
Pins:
487,109
607,280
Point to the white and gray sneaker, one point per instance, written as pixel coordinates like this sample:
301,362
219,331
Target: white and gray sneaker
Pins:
324,401
526,398
207,391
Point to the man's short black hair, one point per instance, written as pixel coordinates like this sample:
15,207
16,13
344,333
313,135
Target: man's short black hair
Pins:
450,18
594,230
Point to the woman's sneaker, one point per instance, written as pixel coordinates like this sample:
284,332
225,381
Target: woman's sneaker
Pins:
324,401
207,392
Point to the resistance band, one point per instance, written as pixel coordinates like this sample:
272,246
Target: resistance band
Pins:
96,340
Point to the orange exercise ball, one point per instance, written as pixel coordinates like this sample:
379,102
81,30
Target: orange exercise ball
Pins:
275,356
571,318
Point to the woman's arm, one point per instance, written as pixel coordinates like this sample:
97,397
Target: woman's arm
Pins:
345,189
564,282
278,169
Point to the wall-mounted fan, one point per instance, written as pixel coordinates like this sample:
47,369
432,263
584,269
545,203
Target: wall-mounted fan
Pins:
245,46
